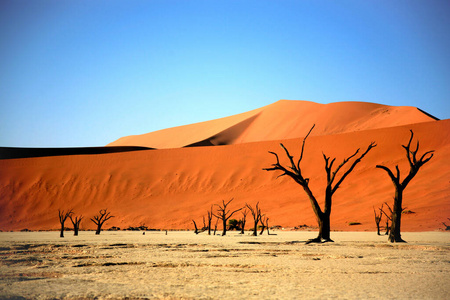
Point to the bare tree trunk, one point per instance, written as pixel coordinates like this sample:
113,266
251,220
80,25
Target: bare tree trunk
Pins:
324,229
378,218
243,226
388,217
255,229
388,228
210,215
224,222
244,220
215,226
394,235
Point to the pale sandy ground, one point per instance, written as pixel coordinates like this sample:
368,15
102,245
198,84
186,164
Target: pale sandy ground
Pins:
182,265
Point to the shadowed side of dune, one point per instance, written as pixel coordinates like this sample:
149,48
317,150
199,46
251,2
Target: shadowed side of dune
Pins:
429,115
16,152
228,136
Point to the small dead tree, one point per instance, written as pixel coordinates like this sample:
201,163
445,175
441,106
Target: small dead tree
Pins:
62,219
263,225
399,185
215,226
100,219
210,215
204,228
257,216
378,218
243,220
266,221
388,218
76,223
224,214
195,225
294,171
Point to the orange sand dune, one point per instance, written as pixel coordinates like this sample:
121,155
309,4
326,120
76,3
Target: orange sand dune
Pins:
281,120
170,187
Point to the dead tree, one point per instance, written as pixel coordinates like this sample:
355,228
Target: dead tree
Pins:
210,215
215,226
100,219
196,229
224,214
62,219
266,221
399,185
294,171
204,228
243,220
263,225
388,218
256,213
76,223
378,218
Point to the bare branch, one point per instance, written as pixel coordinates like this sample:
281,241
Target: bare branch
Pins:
407,148
64,215
235,211
276,155
303,147
394,179
390,210
77,219
346,160
372,145
293,167
424,160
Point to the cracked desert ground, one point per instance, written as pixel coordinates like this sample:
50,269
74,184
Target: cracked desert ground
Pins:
182,265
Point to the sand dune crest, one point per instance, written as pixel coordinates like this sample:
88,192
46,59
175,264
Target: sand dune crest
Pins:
284,119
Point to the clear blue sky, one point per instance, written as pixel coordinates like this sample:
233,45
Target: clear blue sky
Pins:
84,73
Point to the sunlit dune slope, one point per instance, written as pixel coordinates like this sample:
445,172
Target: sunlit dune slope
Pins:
170,187
284,119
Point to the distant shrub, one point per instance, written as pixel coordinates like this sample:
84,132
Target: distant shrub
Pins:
234,224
